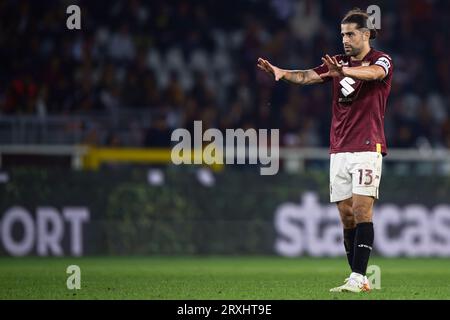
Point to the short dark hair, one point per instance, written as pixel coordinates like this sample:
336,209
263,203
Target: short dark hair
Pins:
362,20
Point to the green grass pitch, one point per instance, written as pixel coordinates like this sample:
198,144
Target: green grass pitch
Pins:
207,278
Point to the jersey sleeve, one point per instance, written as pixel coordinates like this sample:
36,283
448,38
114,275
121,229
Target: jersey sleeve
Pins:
322,69
385,62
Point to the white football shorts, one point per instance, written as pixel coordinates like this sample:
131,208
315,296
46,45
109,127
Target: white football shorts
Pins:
354,173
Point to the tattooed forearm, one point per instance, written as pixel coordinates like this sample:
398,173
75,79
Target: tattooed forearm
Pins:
295,76
302,77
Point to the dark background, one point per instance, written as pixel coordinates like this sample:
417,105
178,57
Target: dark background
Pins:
138,69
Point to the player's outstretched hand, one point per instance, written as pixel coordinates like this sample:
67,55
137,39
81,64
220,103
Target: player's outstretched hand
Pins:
335,69
267,67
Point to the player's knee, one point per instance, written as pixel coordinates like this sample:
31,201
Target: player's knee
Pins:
344,207
362,213
347,217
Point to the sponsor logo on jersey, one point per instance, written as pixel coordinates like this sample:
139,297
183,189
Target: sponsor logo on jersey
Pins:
346,84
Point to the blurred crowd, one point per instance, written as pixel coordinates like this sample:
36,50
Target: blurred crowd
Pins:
196,60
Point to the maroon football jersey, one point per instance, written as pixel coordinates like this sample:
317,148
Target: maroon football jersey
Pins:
359,106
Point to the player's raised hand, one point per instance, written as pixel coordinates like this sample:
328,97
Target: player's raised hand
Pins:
267,67
335,69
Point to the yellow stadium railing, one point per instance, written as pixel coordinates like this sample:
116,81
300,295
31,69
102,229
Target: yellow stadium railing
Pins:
96,156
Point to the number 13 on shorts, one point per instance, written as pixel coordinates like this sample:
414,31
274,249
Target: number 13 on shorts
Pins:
366,177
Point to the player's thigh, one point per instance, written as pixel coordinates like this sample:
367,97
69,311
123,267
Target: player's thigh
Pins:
340,178
366,173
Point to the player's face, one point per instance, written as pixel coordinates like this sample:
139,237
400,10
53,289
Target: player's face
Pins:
352,39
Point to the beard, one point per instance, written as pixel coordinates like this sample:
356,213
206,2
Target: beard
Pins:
351,51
